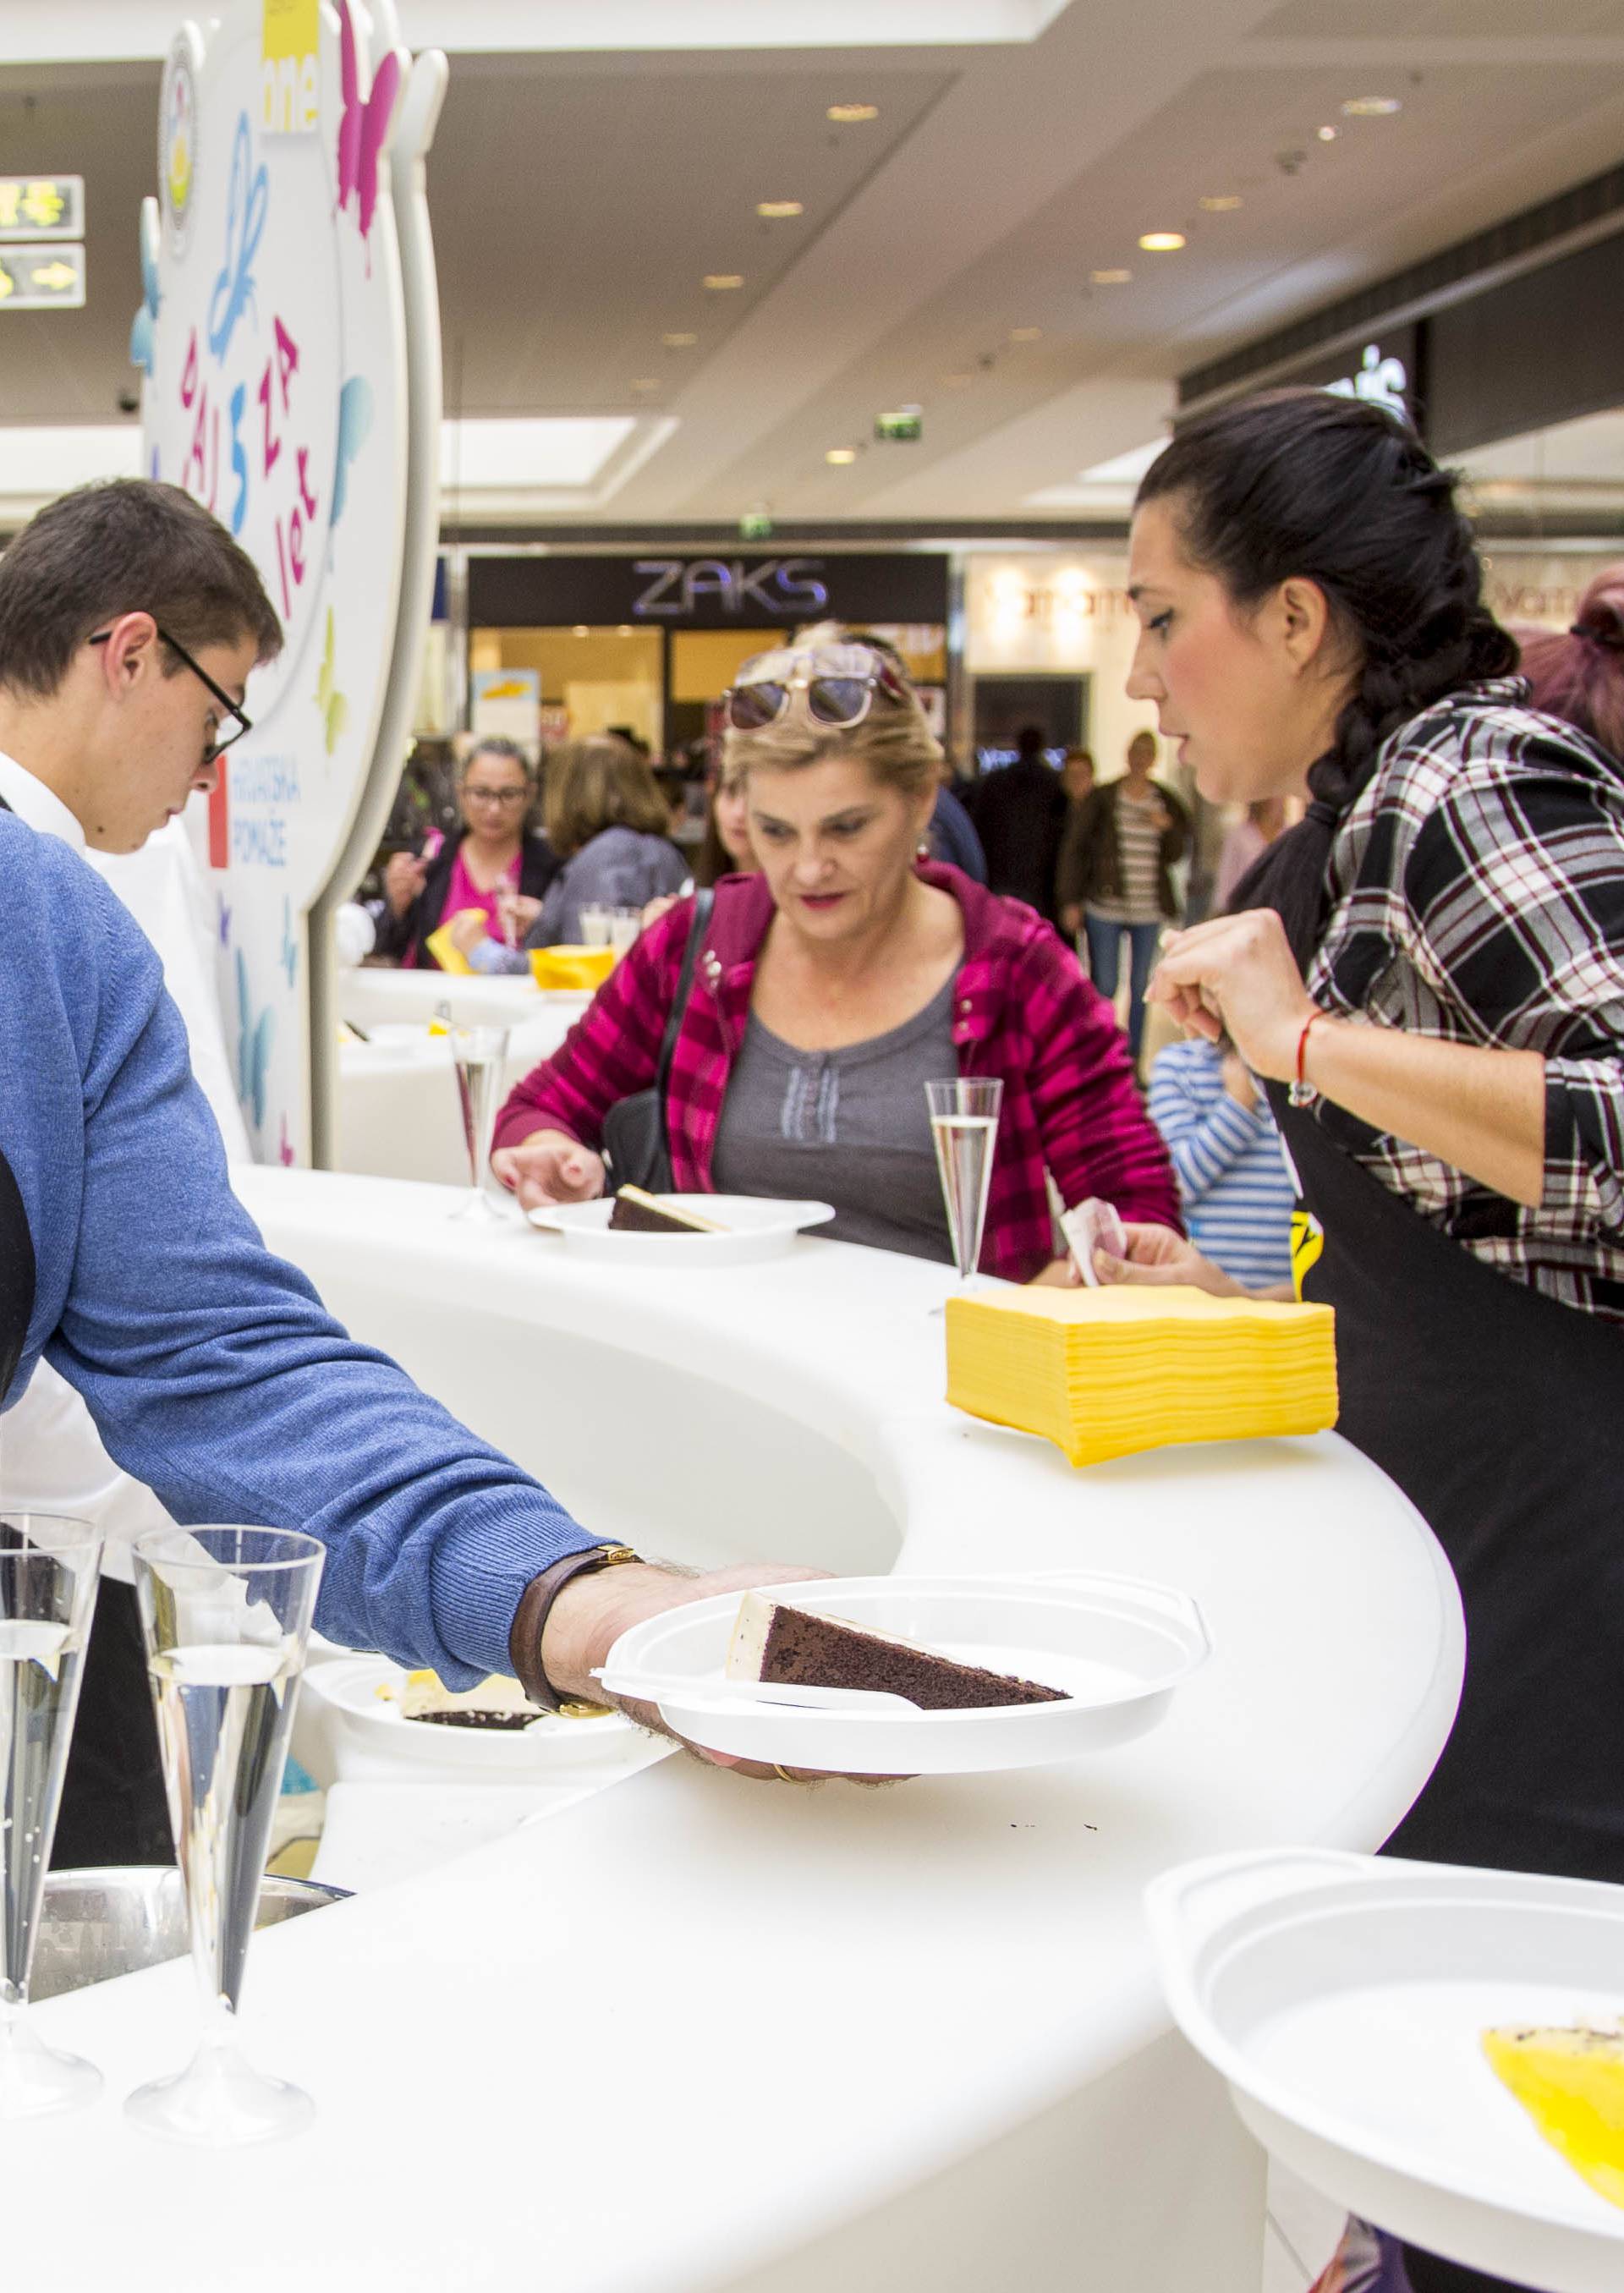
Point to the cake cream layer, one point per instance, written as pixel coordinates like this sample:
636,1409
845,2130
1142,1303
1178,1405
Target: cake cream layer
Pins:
497,1702
775,1641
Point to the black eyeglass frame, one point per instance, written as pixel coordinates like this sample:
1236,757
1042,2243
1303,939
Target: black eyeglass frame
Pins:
244,724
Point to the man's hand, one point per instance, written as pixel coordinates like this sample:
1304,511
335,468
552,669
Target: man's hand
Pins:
550,1167
592,1611
404,877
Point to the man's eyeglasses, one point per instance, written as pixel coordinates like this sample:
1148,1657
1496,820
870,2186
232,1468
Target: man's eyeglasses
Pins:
241,723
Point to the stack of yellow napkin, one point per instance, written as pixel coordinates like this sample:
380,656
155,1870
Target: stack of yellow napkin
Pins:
1105,1372
581,967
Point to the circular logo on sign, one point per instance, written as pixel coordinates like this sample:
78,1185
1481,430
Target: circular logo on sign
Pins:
177,141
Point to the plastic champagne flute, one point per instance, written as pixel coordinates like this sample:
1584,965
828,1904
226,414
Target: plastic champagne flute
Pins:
963,1125
49,1566
226,1614
479,1056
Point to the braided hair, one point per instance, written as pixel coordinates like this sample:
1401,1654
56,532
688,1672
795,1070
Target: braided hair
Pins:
1303,484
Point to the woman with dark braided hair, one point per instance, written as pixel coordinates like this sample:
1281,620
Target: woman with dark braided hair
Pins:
1428,975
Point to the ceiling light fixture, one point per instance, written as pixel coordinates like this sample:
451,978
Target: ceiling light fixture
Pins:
679,342
1221,203
1328,134
841,455
778,210
1162,242
1118,277
1371,107
1026,334
723,282
852,115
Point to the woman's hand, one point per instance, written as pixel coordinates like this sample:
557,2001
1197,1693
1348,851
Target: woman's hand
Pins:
550,1168
404,877
468,931
660,906
1238,976
517,911
1160,1258
1060,1274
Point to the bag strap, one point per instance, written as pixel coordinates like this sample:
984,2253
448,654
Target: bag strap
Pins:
704,902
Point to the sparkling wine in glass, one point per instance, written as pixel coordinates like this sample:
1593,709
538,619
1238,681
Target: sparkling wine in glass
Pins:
226,1614
963,1125
48,1570
479,1055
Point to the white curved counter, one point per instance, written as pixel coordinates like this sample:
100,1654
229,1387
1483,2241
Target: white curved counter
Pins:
697,2033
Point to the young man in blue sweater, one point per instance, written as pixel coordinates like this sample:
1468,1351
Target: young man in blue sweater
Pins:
129,621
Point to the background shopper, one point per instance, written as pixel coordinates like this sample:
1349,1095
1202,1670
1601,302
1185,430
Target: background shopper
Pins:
1020,814
1114,873
1233,1184
495,863
1244,845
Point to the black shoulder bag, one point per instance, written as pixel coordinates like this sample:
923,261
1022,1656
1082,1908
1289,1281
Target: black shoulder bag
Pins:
637,1145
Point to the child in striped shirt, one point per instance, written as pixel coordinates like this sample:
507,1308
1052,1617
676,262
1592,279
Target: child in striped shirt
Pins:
1237,1194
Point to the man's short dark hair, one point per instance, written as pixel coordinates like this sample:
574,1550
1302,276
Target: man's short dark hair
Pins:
130,545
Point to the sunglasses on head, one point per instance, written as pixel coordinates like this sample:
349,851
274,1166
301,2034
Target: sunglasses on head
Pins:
836,689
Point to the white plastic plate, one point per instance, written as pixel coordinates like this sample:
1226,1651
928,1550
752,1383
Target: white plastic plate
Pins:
1120,1648
346,1729
1345,1997
757,1228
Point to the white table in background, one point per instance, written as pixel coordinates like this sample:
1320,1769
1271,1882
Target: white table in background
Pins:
398,1114
371,997
694,2033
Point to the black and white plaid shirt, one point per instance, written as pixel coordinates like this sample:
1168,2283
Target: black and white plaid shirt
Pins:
1478,895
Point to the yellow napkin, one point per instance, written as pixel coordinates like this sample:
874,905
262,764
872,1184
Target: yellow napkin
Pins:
1106,1373
449,957
581,967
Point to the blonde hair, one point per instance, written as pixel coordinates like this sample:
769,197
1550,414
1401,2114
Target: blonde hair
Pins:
591,785
894,740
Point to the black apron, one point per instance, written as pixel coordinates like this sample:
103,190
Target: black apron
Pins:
113,1808
1501,1414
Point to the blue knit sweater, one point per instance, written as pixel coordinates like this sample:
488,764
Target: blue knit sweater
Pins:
212,1369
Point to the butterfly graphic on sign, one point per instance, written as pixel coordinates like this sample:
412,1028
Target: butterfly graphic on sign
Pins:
289,958
142,345
245,224
331,705
354,421
259,1033
364,128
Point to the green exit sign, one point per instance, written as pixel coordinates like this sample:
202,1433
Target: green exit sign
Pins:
756,525
904,426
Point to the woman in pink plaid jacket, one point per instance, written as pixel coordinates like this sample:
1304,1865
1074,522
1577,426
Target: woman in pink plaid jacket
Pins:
830,985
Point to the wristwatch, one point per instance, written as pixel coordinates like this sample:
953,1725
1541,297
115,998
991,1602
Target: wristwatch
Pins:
530,1622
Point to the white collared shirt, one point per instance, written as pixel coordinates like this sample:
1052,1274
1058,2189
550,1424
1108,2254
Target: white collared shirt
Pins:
38,806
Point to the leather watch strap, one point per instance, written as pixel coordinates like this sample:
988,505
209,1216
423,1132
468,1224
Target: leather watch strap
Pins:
535,1605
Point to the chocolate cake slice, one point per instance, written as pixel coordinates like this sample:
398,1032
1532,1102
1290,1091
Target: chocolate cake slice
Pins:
635,1212
774,1641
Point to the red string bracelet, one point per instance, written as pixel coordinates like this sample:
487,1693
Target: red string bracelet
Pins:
1302,1093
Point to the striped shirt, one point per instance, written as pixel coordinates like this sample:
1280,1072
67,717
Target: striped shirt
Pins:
1139,846
1236,1192
1021,1010
1478,895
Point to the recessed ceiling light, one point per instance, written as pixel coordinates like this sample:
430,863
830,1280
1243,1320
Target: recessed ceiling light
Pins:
1162,242
647,382
679,342
852,115
581,630
1026,334
723,282
1118,277
778,210
1221,203
841,455
1371,107
1328,134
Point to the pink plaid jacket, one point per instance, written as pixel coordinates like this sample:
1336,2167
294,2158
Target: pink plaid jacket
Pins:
1023,1011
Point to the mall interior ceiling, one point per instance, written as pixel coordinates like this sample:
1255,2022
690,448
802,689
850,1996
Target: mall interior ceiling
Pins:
970,196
